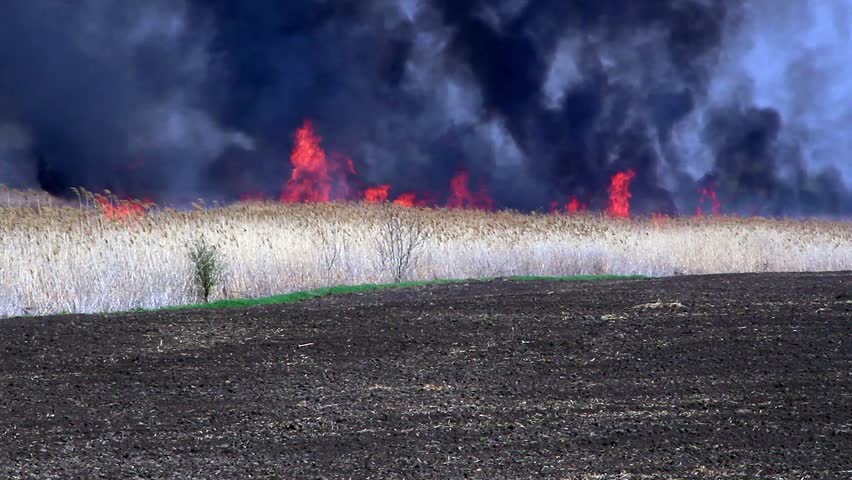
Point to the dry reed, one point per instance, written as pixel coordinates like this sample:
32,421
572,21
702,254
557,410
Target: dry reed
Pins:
60,258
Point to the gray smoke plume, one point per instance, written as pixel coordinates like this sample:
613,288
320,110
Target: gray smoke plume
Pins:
107,94
539,99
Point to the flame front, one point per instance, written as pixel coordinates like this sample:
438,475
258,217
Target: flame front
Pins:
123,210
575,206
321,177
314,177
462,197
619,194
708,193
407,199
377,194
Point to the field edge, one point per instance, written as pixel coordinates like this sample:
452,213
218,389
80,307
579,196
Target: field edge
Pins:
301,295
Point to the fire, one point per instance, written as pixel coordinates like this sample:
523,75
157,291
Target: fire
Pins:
413,199
321,177
315,176
408,200
462,197
377,194
709,193
124,209
619,194
575,206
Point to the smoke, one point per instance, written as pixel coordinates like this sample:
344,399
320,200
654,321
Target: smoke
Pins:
107,95
540,100
772,126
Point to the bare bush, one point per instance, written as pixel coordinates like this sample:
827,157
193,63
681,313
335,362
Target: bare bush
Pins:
399,242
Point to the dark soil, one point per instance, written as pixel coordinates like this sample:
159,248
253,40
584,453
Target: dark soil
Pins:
739,376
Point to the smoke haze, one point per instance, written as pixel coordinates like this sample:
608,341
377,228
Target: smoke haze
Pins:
539,100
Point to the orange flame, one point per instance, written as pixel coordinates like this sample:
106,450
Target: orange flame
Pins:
377,194
124,210
310,180
318,177
619,194
462,197
709,193
575,206
407,199
315,177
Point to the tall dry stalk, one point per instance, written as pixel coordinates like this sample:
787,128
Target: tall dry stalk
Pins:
62,258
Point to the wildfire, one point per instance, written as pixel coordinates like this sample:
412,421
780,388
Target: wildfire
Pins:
708,193
619,194
573,207
408,200
315,176
124,209
462,197
321,177
377,194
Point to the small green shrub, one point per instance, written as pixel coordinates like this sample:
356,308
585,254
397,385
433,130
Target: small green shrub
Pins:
208,268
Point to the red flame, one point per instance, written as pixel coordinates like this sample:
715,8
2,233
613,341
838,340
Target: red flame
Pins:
575,206
408,200
462,197
709,193
123,210
318,177
619,194
412,199
315,176
377,194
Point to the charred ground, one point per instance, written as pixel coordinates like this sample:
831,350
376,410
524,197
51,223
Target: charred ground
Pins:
737,376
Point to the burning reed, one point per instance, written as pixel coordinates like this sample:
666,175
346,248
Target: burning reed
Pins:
119,256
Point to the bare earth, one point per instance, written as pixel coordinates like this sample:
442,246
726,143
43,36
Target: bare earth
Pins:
734,376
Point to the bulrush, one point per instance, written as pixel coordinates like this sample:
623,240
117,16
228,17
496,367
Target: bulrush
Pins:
60,256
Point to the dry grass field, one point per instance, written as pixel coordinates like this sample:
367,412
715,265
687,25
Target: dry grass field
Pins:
108,257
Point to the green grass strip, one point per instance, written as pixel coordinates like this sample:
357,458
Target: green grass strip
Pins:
344,289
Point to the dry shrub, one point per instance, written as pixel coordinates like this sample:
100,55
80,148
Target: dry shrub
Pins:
399,241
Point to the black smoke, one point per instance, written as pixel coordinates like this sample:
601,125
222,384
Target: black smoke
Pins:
539,99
